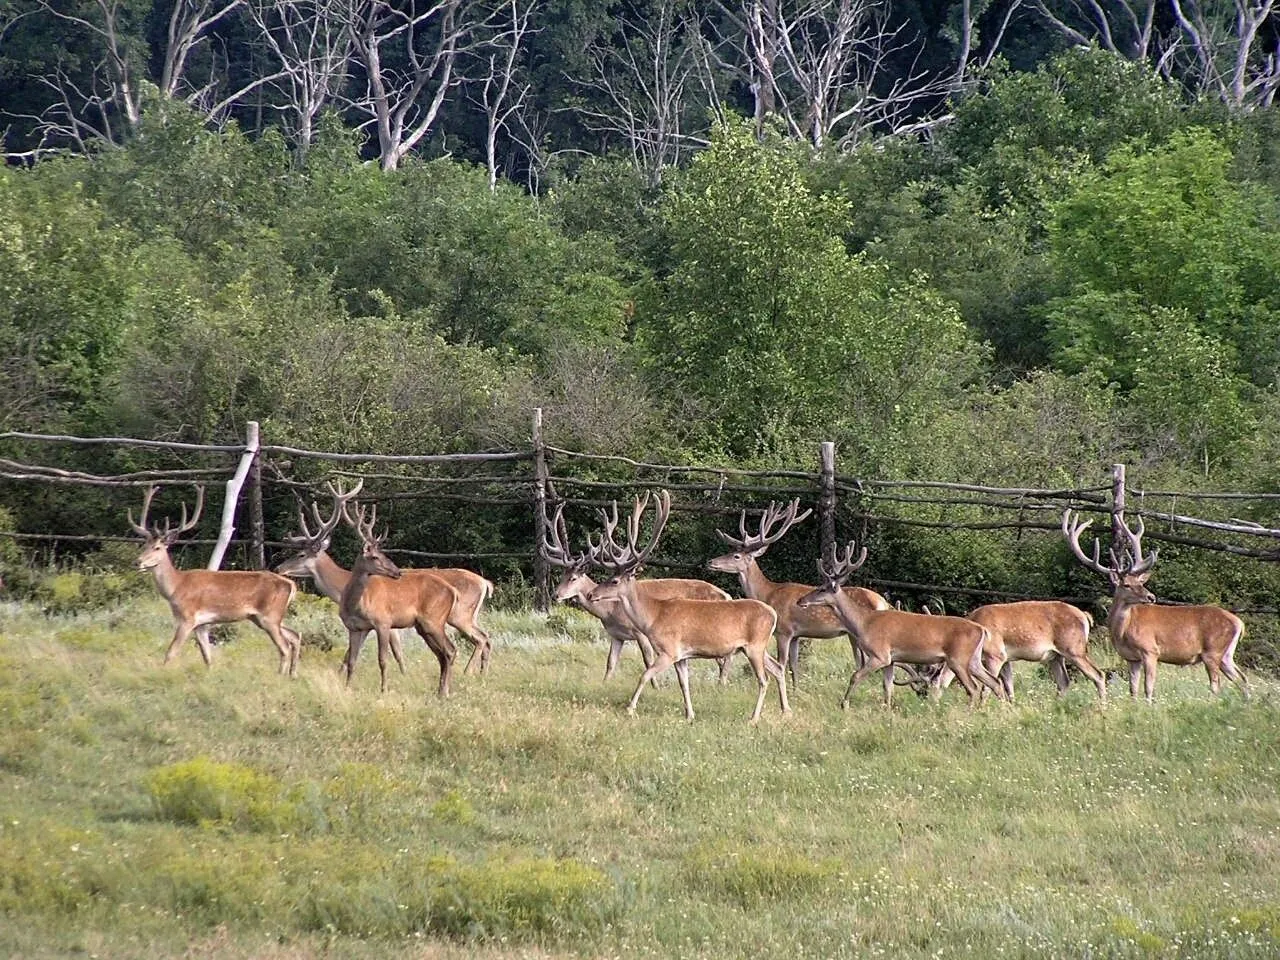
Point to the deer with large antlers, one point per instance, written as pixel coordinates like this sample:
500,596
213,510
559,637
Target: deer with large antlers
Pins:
1145,633
888,637
331,579
201,598
681,629
794,621
576,585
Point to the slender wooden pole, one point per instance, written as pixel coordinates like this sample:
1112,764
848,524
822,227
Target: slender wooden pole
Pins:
827,498
257,526
1117,504
234,485
541,567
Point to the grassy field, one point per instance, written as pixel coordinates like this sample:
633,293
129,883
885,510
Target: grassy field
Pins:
230,812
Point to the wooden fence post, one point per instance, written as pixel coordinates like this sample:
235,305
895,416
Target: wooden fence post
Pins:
251,445
257,526
541,568
1117,504
827,498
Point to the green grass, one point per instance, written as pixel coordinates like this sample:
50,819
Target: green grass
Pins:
149,811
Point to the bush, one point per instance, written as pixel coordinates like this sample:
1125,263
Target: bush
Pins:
202,791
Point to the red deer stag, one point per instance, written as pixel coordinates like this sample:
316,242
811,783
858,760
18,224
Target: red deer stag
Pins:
201,598
887,637
377,597
313,560
682,629
794,622
1145,633
576,585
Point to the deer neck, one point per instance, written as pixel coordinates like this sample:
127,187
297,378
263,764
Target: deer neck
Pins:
329,578
631,605
167,577
851,616
1122,604
353,592
754,583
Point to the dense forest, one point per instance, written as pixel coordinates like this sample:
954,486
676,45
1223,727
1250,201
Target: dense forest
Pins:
1007,243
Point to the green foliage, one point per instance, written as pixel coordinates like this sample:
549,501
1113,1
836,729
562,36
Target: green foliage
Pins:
1026,136
765,317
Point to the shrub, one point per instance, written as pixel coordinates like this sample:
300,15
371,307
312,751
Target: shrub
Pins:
202,791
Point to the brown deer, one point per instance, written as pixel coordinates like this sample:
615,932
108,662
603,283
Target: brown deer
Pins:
380,598
313,560
576,585
1040,631
682,629
889,636
201,598
794,622
1145,633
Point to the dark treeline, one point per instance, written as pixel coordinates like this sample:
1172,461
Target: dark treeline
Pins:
997,259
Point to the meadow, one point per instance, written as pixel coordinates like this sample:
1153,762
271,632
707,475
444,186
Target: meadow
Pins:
229,812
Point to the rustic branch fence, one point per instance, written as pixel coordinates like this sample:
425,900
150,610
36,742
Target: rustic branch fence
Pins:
518,485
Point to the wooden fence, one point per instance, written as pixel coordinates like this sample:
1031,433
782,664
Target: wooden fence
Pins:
523,483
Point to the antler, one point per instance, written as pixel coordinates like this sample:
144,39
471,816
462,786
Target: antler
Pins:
140,527
324,528
166,533
1126,561
774,525
625,560
836,568
1137,563
555,542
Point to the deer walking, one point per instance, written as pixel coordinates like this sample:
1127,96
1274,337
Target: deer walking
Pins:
201,598
681,629
1145,633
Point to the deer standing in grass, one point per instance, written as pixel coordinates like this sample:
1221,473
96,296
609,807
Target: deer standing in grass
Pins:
794,621
379,598
1145,633
576,585
331,579
201,598
681,629
886,637
1039,631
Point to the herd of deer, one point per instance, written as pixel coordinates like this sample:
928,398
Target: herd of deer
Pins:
675,620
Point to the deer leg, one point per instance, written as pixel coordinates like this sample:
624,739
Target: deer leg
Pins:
659,664
355,640
1057,666
786,642
756,656
774,668
965,678
1086,666
1135,668
1214,669
1149,662
682,674
615,654
1004,676
1235,674
180,634
439,644
466,625
726,663
887,683
272,629
295,648
202,641
860,674
384,643
397,651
